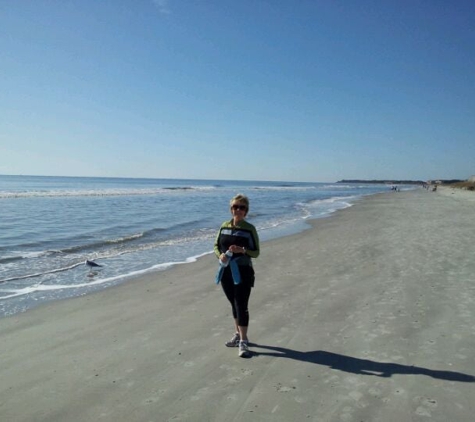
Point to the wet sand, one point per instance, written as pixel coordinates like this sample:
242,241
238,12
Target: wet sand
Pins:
368,316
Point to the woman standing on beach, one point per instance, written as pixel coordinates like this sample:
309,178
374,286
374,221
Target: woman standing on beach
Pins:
240,238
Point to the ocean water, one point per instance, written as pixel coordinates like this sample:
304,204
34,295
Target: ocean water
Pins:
49,226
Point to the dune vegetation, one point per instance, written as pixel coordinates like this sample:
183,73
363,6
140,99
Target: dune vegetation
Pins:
468,185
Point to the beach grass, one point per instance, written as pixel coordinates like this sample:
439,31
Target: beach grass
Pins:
464,185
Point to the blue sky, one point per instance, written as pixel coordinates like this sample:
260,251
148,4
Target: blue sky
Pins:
293,90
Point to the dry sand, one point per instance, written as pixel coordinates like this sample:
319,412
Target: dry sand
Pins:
368,316
457,194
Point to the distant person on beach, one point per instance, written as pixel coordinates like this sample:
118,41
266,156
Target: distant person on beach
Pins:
239,237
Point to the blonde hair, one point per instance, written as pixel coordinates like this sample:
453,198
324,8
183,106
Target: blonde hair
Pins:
240,198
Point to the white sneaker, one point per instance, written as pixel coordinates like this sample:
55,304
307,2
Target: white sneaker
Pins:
243,349
234,342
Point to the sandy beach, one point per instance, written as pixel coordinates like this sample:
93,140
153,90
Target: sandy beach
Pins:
367,316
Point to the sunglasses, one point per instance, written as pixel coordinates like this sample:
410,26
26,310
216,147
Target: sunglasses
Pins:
239,207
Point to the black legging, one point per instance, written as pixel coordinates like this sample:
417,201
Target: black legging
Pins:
238,295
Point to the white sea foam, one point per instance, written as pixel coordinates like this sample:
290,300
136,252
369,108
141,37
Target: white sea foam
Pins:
100,192
33,275
338,187
284,188
39,287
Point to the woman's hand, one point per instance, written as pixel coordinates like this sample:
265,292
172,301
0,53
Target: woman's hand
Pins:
223,258
237,249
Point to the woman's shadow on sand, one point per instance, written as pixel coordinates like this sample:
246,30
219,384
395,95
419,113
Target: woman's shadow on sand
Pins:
359,366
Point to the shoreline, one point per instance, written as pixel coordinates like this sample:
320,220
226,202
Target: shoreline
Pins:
93,285
368,315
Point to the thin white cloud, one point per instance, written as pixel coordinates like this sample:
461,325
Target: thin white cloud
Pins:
162,6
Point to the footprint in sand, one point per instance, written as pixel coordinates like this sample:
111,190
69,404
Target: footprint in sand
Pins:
426,406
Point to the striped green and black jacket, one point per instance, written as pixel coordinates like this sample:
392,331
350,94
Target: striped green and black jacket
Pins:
243,234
